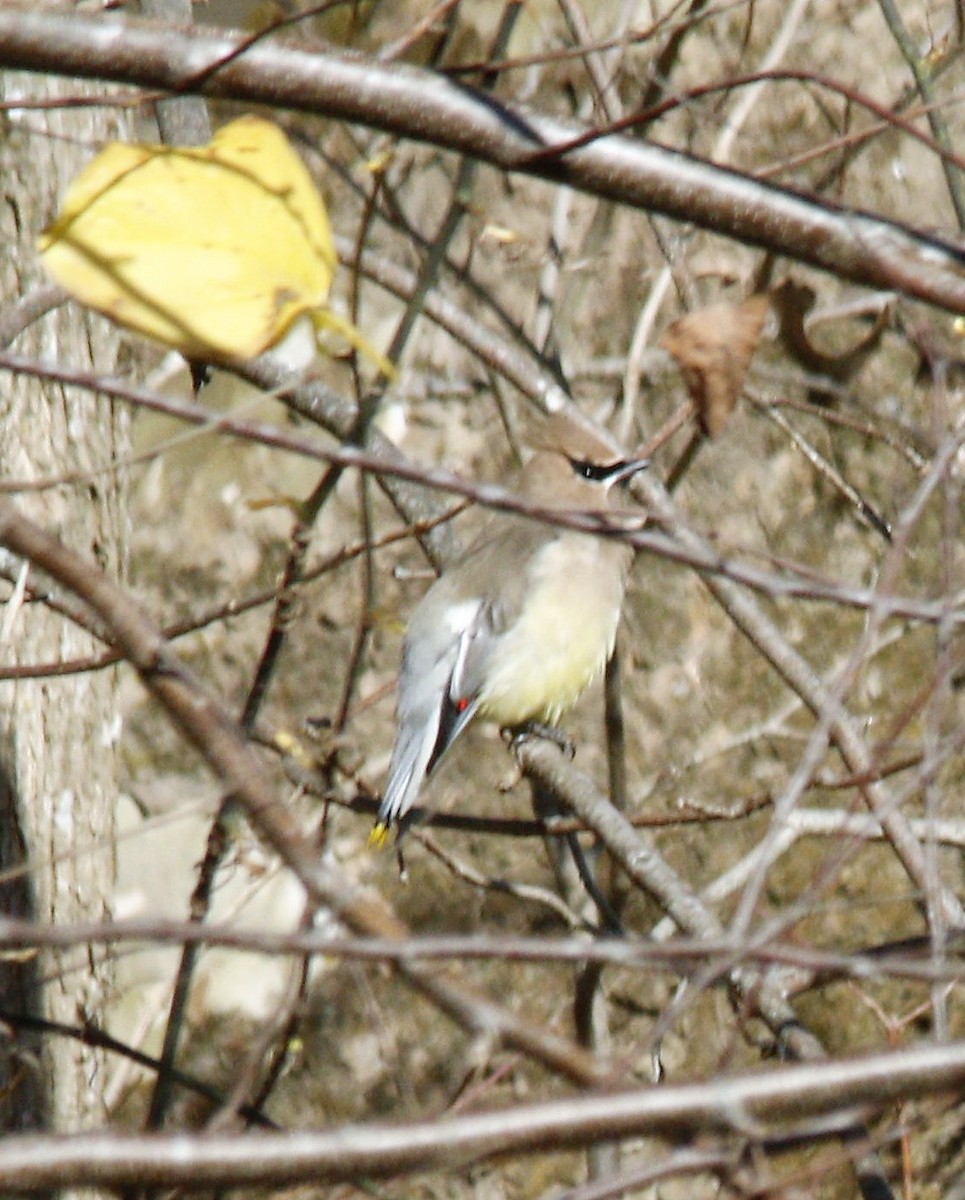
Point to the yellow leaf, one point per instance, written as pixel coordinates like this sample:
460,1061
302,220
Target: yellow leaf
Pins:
214,250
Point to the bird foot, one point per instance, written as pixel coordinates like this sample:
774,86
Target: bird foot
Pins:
540,729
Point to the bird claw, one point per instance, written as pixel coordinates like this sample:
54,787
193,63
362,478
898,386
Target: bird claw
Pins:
541,729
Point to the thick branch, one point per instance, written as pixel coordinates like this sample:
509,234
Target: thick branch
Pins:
429,107
748,1105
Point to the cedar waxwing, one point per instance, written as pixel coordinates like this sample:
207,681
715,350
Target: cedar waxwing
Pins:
522,623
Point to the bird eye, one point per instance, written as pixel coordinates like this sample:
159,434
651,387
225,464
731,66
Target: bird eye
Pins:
595,472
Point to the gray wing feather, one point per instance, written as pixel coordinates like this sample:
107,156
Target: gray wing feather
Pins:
447,649
429,713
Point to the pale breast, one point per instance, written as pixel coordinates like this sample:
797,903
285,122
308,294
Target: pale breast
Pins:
563,635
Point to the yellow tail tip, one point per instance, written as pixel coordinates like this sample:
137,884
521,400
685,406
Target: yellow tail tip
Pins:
378,836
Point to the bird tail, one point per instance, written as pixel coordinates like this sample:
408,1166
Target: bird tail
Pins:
411,753
377,836
422,740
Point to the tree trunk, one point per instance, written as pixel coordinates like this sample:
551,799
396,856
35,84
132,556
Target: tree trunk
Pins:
58,736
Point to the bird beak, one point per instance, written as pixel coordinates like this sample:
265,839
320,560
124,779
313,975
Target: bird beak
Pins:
627,469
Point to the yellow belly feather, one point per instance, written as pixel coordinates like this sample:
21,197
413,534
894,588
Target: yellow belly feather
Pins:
563,637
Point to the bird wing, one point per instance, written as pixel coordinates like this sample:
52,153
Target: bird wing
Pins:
445,659
517,542
430,715
511,540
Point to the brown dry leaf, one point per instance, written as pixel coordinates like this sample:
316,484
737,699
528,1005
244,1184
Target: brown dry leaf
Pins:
713,348
792,302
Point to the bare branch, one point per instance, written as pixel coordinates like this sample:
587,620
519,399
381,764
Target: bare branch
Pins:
206,725
429,107
759,1106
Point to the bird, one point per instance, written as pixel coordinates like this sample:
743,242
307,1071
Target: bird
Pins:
522,623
